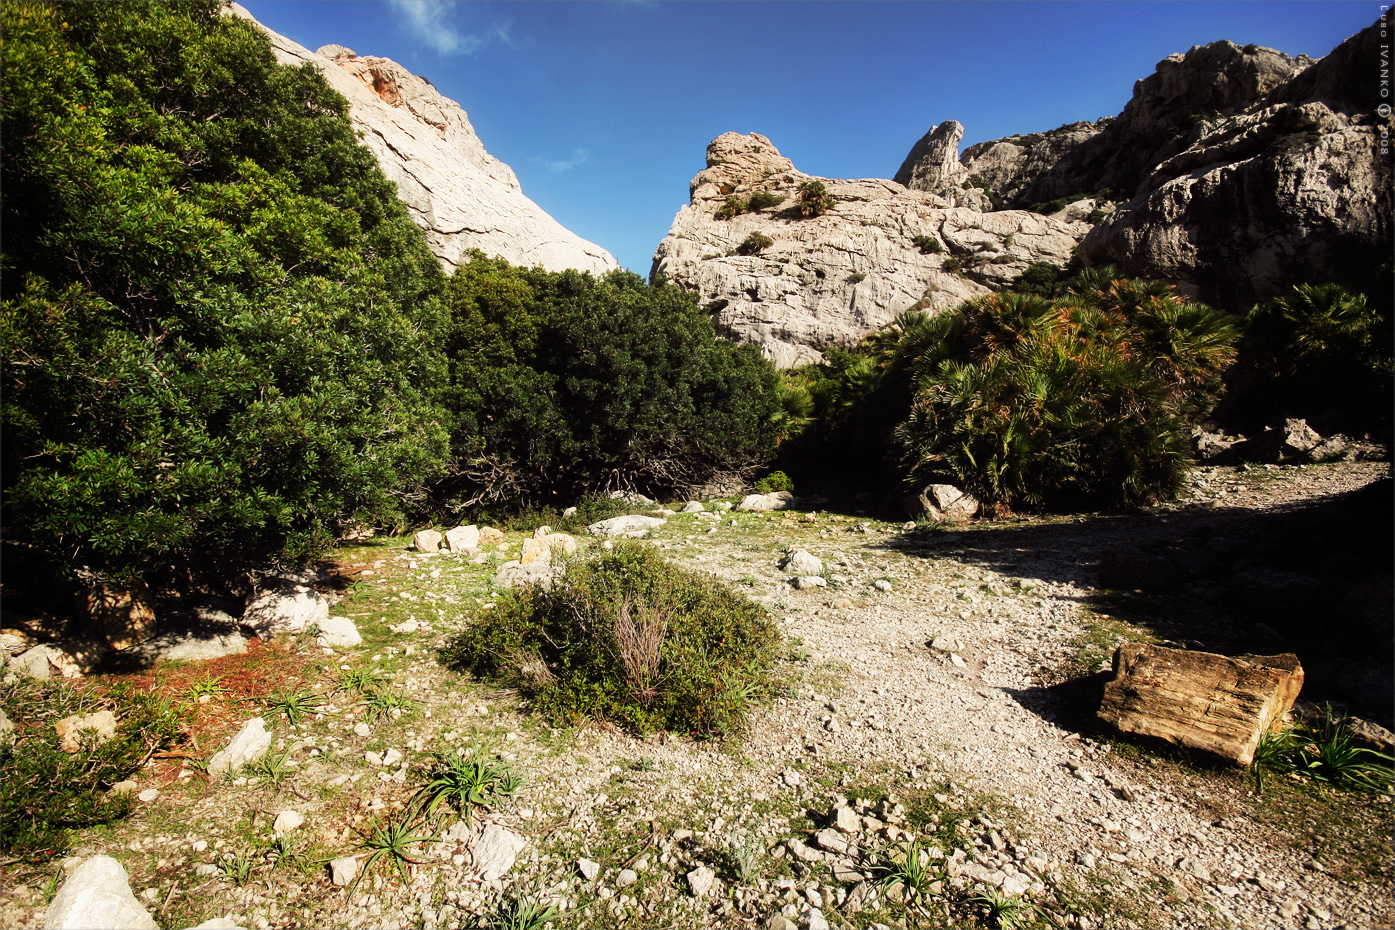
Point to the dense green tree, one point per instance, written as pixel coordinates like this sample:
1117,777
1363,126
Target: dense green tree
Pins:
217,317
565,385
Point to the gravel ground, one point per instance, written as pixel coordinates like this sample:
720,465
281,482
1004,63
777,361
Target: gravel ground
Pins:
946,673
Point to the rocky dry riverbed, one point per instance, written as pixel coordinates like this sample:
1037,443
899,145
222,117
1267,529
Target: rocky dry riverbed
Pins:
938,688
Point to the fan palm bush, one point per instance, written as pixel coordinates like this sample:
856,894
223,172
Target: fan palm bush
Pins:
814,199
1029,401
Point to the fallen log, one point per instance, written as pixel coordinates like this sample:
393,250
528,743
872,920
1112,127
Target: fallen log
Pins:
1206,701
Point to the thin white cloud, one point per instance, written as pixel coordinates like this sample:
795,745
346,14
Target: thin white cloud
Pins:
579,157
430,22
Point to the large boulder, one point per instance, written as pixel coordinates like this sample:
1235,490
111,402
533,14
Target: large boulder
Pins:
631,525
941,503
1199,699
284,607
463,197
97,894
832,279
775,500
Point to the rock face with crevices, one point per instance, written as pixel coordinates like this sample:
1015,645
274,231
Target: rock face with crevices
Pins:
463,197
832,279
1238,171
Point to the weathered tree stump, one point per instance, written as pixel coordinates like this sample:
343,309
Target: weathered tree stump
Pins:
1199,699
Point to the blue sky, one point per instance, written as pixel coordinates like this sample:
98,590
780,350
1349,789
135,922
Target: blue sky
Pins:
604,109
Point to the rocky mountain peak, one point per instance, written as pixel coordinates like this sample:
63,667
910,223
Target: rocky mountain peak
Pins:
933,162
460,195
793,284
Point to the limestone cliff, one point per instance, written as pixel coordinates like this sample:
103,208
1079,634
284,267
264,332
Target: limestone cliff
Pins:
463,197
1292,188
1238,171
881,249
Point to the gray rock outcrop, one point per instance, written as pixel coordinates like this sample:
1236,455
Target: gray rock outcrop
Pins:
933,166
1009,166
1290,189
832,279
249,745
97,894
463,197
1238,171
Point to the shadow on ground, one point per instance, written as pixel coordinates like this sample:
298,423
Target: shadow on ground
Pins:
1312,577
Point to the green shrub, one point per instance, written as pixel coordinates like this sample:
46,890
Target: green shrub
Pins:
1319,352
564,387
857,277
928,245
733,207
952,264
218,319
1041,278
1027,401
762,200
775,481
629,638
45,793
754,244
814,199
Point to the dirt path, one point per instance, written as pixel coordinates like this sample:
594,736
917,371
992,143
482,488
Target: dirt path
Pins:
981,746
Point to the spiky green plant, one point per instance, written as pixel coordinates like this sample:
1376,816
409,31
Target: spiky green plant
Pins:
237,868
271,769
464,783
389,840
521,913
908,866
382,703
361,680
814,199
295,703
1004,911
207,686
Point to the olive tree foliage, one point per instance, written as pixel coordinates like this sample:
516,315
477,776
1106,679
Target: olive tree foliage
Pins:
563,385
217,319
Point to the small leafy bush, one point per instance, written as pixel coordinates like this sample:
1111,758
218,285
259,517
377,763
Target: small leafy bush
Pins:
814,199
775,481
952,265
857,277
629,638
762,200
734,206
754,244
45,792
928,245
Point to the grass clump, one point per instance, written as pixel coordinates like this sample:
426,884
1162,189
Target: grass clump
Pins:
45,792
734,206
928,245
628,638
762,200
